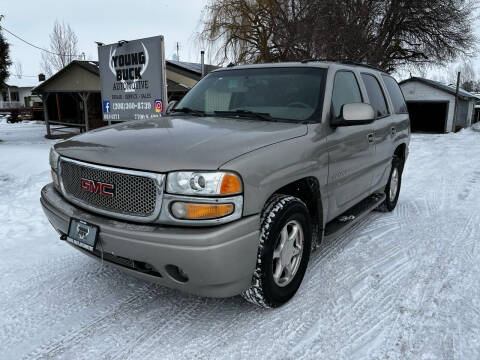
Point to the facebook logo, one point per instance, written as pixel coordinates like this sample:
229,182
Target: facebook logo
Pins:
106,106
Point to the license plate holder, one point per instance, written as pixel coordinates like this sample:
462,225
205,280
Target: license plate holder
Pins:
82,234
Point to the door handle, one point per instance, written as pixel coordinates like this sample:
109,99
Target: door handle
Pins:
394,131
371,138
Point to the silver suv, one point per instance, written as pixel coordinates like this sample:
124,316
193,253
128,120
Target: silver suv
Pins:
231,191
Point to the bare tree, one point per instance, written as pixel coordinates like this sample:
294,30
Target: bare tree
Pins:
257,31
468,78
63,49
385,33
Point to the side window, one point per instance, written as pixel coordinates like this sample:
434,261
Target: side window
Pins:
375,94
345,91
396,95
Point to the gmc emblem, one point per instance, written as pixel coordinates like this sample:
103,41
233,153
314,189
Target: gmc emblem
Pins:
97,187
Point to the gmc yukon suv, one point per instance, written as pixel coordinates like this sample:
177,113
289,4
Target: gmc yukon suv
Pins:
231,191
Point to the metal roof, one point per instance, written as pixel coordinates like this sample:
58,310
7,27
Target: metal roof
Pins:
193,67
441,86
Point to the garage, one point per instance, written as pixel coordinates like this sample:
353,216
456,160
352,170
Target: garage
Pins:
431,106
428,116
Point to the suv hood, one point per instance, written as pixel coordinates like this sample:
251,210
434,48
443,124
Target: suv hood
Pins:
176,143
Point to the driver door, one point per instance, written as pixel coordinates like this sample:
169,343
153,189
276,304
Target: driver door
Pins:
351,150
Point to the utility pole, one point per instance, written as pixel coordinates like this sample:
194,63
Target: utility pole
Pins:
454,122
178,51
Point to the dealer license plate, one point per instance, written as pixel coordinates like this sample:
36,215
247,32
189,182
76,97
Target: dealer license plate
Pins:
82,234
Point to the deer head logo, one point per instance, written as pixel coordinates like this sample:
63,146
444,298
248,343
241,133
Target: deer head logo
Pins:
129,87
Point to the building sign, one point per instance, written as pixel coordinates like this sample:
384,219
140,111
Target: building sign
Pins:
133,79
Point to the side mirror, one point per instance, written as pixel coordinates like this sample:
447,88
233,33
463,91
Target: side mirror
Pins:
354,114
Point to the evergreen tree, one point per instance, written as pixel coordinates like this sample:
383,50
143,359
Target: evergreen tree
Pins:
5,61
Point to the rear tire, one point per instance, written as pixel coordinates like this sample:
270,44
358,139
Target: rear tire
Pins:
392,190
283,253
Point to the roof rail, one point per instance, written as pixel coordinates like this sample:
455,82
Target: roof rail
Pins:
358,63
344,61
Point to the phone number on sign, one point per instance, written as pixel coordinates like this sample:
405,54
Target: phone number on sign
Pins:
132,106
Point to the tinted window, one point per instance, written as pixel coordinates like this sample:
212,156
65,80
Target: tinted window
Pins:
294,94
345,91
375,95
396,95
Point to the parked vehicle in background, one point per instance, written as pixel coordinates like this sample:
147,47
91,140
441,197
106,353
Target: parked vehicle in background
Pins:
5,115
25,114
230,193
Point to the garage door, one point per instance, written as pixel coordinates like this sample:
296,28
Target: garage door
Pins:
429,117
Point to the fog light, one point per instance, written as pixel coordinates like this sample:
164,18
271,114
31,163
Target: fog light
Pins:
179,210
192,211
176,273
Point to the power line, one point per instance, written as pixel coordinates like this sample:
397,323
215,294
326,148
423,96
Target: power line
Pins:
35,46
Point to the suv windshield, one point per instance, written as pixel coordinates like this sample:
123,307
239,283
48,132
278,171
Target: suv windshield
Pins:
294,94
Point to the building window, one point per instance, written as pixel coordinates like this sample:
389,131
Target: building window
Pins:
14,96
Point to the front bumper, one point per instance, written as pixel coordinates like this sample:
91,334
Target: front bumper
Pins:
219,261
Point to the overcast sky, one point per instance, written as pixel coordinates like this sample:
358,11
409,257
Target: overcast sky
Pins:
107,21
101,20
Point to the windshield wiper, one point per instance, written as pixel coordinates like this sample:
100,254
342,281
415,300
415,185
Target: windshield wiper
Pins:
187,110
247,113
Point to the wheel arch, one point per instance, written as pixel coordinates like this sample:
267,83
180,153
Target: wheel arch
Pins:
307,189
401,152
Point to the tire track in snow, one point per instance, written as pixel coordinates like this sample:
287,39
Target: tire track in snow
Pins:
65,303
433,293
399,258
57,346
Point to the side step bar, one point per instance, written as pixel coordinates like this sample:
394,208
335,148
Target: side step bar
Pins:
344,222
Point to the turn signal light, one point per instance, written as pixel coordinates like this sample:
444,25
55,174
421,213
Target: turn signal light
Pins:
192,211
231,184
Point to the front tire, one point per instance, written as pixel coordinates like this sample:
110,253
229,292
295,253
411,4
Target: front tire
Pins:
392,190
283,253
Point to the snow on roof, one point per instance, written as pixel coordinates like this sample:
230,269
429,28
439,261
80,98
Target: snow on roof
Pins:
24,81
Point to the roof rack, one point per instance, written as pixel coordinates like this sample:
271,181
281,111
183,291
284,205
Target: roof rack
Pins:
344,61
358,63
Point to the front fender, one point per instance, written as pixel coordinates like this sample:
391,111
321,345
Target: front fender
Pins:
266,170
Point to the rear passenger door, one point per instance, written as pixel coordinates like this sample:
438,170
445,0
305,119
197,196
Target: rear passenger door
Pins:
351,149
382,128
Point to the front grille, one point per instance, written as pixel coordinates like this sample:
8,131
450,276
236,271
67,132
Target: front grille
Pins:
134,195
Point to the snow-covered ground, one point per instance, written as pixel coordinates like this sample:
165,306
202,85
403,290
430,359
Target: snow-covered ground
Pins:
404,285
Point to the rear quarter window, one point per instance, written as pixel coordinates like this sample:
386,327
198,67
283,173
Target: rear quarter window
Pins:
399,105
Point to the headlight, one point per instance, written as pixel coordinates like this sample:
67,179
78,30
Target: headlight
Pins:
54,158
204,183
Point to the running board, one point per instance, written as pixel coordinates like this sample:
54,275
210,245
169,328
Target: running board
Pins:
352,216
